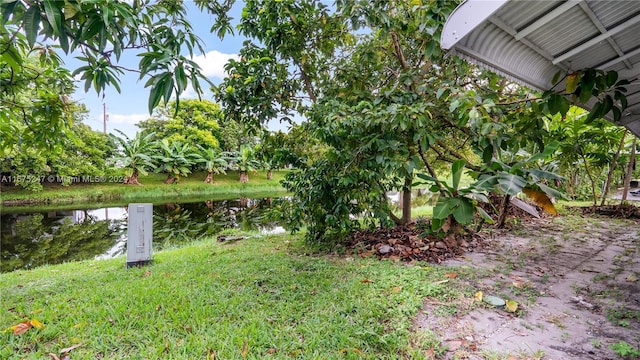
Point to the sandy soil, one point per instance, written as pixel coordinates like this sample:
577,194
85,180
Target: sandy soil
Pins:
576,281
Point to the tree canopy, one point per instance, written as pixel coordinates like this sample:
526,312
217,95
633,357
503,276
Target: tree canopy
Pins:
32,32
386,109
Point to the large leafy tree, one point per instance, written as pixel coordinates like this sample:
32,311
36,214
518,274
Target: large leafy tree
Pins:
196,122
84,153
282,65
586,151
379,93
99,32
35,105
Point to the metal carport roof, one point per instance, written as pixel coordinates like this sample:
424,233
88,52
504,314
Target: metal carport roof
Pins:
530,41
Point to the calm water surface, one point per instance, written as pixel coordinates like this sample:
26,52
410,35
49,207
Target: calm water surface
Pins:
30,239
34,238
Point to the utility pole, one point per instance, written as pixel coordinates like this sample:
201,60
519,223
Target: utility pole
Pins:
104,116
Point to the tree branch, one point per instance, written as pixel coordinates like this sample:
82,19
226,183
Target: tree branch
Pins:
398,50
432,172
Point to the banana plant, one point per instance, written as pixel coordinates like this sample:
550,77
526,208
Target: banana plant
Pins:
246,162
135,155
456,206
213,161
521,176
176,159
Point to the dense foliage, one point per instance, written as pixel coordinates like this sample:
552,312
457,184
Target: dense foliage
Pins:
83,156
385,110
31,33
378,92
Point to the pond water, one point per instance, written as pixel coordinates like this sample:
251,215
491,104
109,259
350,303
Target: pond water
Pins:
30,239
33,238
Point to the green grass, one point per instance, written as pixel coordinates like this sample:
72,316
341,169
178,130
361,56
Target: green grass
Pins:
214,297
225,186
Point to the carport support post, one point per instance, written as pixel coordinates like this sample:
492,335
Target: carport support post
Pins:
627,178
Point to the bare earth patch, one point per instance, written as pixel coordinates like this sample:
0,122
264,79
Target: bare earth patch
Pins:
576,282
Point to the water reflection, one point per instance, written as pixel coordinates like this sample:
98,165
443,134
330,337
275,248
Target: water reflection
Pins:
419,197
31,239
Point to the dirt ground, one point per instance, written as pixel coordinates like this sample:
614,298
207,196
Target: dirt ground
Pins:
576,282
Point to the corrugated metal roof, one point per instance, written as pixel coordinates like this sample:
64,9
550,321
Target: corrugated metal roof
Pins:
530,41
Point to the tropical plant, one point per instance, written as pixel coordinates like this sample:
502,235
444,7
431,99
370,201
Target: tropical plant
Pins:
586,151
174,158
245,161
135,155
456,206
213,161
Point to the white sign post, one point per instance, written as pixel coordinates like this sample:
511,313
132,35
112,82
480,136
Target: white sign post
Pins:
139,234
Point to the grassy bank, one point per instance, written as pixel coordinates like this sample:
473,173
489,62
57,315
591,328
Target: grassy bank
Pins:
224,186
257,298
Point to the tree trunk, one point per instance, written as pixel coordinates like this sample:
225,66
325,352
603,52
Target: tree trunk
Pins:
502,219
406,201
209,178
244,177
607,183
269,175
132,180
591,179
627,178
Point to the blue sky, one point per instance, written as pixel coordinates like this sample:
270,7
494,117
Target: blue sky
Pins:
127,108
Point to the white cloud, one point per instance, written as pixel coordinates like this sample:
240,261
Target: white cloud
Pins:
213,62
126,118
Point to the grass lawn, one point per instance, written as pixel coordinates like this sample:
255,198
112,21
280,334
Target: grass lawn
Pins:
224,186
261,297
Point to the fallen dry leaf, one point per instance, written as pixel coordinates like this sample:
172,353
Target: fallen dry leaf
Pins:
366,281
396,289
632,278
478,295
451,275
245,349
66,350
511,305
431,354
212,355
21,328
272,351
53,356
518,284
146,273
